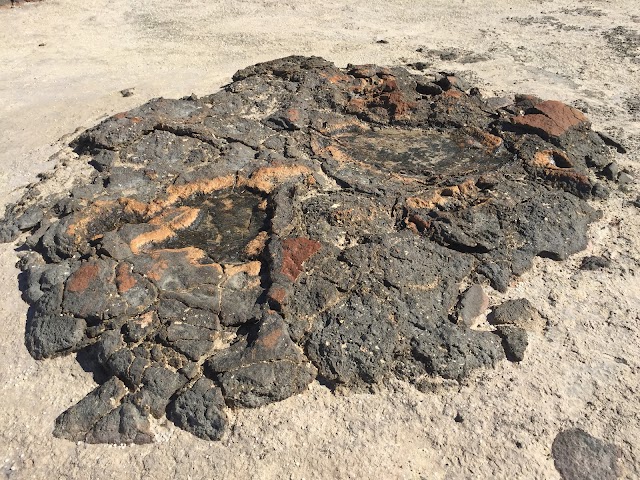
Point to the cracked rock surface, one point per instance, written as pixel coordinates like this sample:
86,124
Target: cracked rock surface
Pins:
305,222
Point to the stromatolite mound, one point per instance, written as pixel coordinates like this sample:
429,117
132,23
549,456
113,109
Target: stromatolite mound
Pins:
304,222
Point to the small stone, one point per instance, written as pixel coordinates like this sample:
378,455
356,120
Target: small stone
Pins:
127,92
496,103
611,171
421,66
519,313
428,88
50,336
75,423
580,456
514,342
123,425
594,262
473,304
458,418
382,41
636,202
599,190
30,218
200,410
624,178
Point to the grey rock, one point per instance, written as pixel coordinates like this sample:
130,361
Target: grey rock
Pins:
453,353
611,171
519,312
514,341
473,303
625,179
200,410
262,383
580,456
50,336
595,262
124,424
77,421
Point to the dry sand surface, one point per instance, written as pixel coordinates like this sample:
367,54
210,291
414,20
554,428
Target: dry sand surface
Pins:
62,67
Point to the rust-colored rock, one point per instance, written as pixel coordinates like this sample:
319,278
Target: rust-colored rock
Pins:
551,119
296,251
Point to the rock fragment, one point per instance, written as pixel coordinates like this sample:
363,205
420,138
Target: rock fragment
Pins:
514,342
473,303
519,313
579,456
76,422
200,410
594,262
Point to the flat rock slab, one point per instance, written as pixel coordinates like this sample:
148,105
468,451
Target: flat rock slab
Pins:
304,222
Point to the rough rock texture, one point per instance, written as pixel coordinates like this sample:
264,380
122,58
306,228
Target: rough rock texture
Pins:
580,456
306,221
519,313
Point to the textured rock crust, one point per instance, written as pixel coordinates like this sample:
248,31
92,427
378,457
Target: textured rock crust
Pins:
304,222
579,456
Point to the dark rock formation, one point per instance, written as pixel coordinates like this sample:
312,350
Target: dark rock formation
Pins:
304,222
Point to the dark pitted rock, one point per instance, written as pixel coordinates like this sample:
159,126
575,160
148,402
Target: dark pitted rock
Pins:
200,410
50,336
518,313
595,262
125,424
580,456
514,341
451,352
77,421
304,222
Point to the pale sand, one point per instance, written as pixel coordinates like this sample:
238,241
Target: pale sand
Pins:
584,370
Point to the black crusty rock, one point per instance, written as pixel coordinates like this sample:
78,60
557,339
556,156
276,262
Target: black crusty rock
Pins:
304,222
514,341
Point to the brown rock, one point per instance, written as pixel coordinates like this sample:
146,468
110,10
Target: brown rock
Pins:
551,119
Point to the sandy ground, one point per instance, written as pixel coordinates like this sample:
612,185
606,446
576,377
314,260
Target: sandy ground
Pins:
62,66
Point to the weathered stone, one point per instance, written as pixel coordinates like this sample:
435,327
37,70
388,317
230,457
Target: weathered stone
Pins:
124,424
625,179
580,456
261,383
200,410
514,341
473,303
77,421
50,336
594,262
451,352
550,119
305,221
157,387
518,313
611,171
